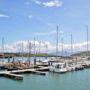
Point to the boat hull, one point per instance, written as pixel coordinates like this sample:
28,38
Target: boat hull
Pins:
58,70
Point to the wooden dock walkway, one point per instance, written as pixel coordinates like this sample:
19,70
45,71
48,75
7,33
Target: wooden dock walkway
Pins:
43,69
14,74
10,75
27,71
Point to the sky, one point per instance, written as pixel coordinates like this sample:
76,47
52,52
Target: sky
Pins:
26,19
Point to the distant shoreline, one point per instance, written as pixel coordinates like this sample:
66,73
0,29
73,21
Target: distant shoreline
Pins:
10,55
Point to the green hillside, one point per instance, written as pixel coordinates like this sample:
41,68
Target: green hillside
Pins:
82,54
26,55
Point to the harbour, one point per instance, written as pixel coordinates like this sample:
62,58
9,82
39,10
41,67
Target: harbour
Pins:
71,65
51,81
44,45
55,64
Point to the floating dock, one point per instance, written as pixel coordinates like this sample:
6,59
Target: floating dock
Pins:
27,71
41,68
14,74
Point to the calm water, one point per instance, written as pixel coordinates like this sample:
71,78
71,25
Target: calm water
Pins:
78,80
24,58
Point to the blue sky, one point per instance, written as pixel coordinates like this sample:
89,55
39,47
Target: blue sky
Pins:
24,19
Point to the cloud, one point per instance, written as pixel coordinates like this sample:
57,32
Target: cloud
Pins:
49,4
52,3
3,16
36,2
30,16
48,33
56,3
17,47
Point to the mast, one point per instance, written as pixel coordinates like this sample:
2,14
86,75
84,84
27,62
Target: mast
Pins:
46,50
29,46
34,48
34,52
57,43
3,48
39,47
22,50
87,40
71,45
62,46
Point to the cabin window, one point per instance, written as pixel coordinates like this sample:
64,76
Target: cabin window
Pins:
58,66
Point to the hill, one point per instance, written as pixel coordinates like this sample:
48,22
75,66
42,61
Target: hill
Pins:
26,55
85,53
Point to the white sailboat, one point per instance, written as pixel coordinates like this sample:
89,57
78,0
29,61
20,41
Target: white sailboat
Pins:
58,67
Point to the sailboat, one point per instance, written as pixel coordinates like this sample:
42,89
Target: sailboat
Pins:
58,66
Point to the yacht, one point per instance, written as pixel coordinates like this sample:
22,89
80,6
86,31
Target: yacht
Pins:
58,67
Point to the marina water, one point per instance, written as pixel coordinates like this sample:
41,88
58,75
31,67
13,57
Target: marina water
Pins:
77,80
